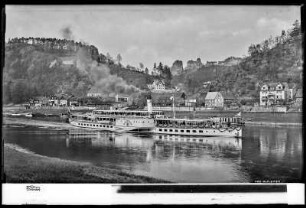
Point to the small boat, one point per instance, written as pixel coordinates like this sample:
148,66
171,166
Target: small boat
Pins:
16,114
29,115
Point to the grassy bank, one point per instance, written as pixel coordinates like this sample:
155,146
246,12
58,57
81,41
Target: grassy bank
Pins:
36,122
22,166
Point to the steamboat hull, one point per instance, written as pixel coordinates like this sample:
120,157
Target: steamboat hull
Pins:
111,127
207,132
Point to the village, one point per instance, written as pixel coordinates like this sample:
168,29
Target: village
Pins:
273,97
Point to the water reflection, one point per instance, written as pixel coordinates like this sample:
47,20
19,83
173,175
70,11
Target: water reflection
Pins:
164,155
262,153
273,153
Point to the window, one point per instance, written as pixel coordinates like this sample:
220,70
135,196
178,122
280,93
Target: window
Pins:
159,129
170,130
201,140
201,131
194,131
188,131
176,130
182,130
165,129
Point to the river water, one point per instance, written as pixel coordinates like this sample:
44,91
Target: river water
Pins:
262,154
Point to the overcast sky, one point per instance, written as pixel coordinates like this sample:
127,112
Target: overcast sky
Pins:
151,34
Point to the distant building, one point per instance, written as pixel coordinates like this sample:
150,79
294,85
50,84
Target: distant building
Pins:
229,99
214,99
206,84
211,63
157,85
94,92
123,99
190,102
275,93
299,97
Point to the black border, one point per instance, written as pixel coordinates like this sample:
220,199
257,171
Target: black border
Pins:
179,188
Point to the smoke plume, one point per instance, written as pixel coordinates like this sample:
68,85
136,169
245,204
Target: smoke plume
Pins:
67,33
104,82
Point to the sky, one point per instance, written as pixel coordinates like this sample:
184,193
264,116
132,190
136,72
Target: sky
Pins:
152,34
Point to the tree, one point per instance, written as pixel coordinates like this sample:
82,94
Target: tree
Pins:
154,66
160,66
108,56
147,70
265,45
119,58
183,96
141,66
296,30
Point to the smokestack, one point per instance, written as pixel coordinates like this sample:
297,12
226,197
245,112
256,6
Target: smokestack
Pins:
149,104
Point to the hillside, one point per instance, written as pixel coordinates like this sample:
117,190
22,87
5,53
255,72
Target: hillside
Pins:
278,60
40,70
48,66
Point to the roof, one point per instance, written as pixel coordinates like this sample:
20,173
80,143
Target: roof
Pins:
228,96
157,81
211,95
94,90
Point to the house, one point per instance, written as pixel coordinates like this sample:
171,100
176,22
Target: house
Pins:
206,84
94,92
191,102
273,94
229,99
299,97
214,99
157,85
121,98
291,91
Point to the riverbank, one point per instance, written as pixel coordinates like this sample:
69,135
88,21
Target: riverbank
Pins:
274,124
63,125
23,166
36,122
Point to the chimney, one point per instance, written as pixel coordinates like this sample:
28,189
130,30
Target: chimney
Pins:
149,104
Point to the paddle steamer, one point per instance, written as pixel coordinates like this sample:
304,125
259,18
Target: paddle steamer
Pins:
154,121
117,120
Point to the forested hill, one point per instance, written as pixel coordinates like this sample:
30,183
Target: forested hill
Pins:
277,59
48,66
44,67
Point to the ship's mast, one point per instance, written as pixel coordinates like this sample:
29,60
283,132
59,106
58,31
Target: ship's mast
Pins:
173,106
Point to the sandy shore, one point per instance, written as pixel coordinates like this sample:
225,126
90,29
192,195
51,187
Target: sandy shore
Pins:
23,166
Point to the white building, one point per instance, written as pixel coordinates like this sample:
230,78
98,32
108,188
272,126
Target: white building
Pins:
273,93
214,99
157,85
93,92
